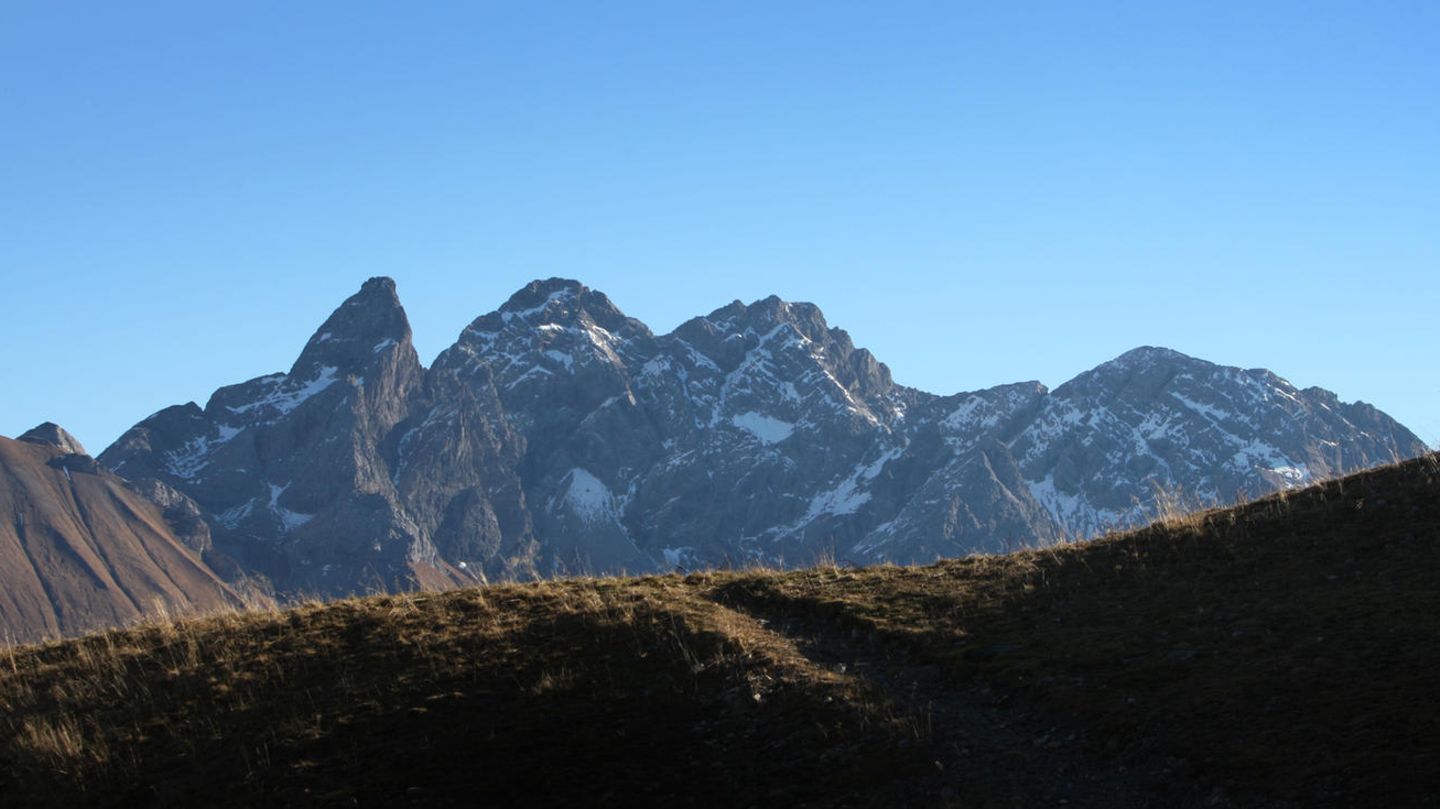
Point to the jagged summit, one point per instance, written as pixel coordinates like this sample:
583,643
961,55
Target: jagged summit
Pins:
379,285
547,336
731,333
369,323
764,314
557,301
537,293
557,434
275,458
54,435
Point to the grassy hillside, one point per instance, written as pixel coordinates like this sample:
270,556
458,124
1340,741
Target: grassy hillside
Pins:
1282,653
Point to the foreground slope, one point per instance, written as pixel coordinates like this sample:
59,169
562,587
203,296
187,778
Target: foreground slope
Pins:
1280,653
81,550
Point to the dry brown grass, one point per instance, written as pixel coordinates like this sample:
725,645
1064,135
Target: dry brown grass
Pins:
367,697
1285,649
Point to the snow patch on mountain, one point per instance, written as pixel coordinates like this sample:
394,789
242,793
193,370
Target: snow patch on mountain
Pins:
972,414
194,456
560,358
286,397
231,517
1073,513
767,429
526,314
682,557
1210,412
590,500
1262,457
289,520
847,496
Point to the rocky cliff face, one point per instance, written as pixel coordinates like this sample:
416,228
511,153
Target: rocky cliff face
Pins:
558,435
349,472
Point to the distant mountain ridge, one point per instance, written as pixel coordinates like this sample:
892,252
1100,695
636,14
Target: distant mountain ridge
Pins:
559,435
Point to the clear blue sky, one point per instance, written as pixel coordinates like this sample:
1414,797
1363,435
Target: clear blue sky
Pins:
979,192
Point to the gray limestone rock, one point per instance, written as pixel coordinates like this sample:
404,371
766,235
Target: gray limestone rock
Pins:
559,436
184,515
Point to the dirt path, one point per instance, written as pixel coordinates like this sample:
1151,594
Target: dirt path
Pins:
992,751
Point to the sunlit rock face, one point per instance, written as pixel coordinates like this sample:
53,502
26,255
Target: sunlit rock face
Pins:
557,435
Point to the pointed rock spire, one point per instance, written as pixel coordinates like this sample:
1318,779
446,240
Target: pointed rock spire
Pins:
366,325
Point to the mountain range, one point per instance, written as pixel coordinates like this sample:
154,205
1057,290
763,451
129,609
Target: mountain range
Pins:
557,436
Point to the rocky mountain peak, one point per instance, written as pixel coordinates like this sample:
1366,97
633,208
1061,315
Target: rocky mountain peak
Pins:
1151,355
1140,371
538,294
367,325
856,369
560,302
547,334
805,317
1148,360
763,316
559,434
54,435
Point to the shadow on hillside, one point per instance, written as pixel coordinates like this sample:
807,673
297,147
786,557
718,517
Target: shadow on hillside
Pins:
359,706
1289,648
